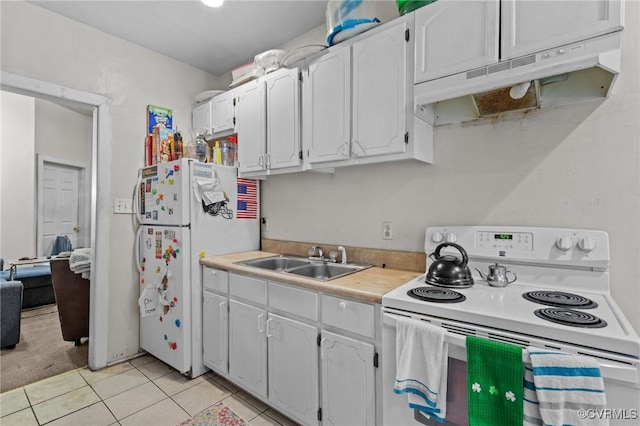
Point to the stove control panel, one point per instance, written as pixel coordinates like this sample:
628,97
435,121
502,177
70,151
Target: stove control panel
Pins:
522,241
582,248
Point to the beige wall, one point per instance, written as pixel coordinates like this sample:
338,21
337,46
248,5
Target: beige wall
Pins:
45,46
35,127
17,176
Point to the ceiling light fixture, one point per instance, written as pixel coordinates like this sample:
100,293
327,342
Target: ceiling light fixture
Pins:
213,3
519,90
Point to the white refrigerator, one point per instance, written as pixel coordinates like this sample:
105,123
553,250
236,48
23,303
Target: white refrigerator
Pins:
187,210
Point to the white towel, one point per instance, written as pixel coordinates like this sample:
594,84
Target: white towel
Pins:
565,386
80,262
421,366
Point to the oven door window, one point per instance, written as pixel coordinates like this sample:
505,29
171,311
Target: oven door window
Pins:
457,413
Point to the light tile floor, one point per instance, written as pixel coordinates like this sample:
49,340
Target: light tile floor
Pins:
140,392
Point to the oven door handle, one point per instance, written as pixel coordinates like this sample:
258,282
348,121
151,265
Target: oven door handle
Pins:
451,338
609,369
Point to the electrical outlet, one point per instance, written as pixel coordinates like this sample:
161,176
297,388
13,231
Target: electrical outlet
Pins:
123,206
387,230
263,223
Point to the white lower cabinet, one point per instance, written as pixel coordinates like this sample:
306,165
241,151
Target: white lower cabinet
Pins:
296,349
248,347
215,325
293,367
348,381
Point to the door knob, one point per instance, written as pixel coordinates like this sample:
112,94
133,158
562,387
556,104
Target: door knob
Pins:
76,228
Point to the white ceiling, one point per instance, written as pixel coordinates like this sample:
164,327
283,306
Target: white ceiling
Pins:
215,40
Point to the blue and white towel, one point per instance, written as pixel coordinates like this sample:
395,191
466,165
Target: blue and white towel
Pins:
558,387
421,366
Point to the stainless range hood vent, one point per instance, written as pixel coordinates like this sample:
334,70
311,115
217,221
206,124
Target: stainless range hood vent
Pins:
569,74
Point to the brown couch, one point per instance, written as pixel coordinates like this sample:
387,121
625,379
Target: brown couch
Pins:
72,297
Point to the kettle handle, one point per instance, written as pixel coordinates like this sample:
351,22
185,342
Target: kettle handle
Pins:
462,251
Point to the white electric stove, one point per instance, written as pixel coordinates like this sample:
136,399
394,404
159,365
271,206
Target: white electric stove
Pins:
557,265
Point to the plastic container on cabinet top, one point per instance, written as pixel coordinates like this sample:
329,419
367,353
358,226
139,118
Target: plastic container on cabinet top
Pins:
347,18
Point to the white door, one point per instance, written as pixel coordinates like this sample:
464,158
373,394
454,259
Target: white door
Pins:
60,188
248,346
327,109
293,367
348,386
380,86
283,118
215,332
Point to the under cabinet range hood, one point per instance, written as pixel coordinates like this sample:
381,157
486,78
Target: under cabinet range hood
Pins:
563,75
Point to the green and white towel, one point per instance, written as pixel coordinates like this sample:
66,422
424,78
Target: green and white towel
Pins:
494,383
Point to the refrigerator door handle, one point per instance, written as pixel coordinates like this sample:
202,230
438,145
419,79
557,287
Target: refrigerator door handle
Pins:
136,198
137,249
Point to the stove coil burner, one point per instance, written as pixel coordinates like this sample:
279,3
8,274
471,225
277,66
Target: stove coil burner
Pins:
560,299
437,295
570,317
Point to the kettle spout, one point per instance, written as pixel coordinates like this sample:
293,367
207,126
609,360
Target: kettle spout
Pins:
483,276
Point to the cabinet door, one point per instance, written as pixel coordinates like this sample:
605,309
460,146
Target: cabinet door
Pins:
327,107
201,117
223,114
348,385
250,118
455,36
215,337
248,346
534,26
293,368
283,118
380,93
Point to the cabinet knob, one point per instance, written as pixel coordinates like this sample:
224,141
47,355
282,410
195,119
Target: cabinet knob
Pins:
343,305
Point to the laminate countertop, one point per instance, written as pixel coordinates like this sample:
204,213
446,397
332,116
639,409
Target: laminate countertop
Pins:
367,285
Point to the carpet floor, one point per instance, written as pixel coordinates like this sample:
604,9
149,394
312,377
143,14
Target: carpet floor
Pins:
41,352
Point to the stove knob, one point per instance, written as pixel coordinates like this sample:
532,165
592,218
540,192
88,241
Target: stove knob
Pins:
437,237
587,244
564,243
451,237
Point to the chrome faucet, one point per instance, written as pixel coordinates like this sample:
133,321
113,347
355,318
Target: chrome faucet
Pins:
315,252
344,254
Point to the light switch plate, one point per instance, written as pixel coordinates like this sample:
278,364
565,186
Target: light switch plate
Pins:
123,206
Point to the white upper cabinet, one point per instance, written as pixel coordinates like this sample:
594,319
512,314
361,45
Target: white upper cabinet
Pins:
454,36
327,99
358,101
267,114
282,119
380,98
201,115
250,118
532,26
223,112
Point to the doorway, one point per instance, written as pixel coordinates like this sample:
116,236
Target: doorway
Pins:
98,200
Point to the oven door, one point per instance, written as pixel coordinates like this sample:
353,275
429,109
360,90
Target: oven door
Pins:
395,409
621,376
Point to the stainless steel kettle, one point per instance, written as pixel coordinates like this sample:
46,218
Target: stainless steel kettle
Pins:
449,271
497,276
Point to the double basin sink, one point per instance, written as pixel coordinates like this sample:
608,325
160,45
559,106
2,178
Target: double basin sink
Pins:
314,269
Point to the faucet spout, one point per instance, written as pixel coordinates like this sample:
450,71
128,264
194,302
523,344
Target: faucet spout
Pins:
344,254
